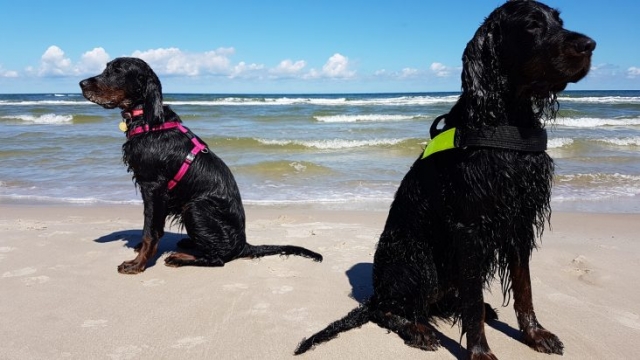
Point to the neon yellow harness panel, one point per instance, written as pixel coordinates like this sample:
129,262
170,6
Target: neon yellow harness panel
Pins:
444,141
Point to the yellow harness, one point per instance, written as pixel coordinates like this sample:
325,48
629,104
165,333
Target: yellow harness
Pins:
500,137
444,141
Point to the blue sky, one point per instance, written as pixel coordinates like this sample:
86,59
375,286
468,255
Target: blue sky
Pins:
284,46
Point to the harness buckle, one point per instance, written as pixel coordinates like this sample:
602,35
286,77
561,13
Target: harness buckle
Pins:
190,157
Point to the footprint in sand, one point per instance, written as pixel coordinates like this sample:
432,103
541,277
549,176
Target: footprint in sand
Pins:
260,308
152,282
582,268
4,250
34,280
297,315
189,342
282,290
628,319
567,300
94,323
19,272
127,352
234,287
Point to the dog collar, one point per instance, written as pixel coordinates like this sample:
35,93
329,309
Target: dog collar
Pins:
127,117
500,137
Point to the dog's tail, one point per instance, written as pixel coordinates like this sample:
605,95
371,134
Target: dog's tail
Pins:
256,251
356,318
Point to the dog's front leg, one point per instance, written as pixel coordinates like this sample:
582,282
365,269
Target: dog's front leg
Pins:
153,230
534,335
473,314
472,300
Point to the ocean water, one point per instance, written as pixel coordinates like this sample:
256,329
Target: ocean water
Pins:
340,151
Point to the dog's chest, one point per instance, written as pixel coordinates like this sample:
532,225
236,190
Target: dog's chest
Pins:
501,180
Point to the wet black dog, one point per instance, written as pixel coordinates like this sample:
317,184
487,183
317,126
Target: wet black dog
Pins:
177,174
473,204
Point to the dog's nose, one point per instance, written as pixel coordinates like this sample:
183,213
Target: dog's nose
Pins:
585,45
84,83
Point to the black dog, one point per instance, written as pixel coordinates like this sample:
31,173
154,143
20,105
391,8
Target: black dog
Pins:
177,174
473,204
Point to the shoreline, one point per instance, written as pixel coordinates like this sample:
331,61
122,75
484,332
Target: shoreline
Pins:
59,280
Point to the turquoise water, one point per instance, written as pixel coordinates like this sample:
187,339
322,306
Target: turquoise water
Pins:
340,150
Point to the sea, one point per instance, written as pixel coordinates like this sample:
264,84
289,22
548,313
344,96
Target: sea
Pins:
335,151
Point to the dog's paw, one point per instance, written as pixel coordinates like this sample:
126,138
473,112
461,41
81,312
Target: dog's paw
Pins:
484,355
544,341
130,267
180,259
420,336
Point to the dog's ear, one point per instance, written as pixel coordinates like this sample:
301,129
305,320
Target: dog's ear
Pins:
153,112
481,78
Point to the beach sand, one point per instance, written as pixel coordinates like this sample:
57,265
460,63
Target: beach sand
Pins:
62,298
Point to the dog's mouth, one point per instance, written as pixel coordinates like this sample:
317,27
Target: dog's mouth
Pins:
556,79
94,98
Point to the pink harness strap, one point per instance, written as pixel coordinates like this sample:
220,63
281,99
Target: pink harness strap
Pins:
197,146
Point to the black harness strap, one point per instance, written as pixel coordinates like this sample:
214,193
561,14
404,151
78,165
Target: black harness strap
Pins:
501,137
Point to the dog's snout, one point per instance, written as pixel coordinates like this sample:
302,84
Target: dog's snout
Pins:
84,83
585,45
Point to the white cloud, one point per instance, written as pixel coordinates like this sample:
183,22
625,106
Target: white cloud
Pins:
337,67
633,72
288,67
246,70
408,72
54,63
440,70
8,73
92,61
173,61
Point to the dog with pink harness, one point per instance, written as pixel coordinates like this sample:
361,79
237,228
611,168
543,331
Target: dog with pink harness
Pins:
179,177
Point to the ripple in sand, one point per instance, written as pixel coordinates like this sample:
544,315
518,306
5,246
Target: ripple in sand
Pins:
94,323
19,272
189,342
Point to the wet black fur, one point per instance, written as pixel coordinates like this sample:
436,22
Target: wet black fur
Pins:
206,201
462,217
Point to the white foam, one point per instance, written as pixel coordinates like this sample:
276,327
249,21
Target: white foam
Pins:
333,143
43,102
388,101
364,117
593,187
628,141
42,119
596,122
559,142
602,99
63,200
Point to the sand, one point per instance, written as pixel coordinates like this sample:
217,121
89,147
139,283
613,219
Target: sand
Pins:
62,298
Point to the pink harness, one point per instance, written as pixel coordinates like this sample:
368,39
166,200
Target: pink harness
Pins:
197,146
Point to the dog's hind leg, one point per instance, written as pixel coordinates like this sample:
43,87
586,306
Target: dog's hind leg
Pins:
534,335
214,237
418,333
187,243
184,259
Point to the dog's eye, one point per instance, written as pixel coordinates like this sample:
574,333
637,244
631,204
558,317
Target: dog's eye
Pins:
533,25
